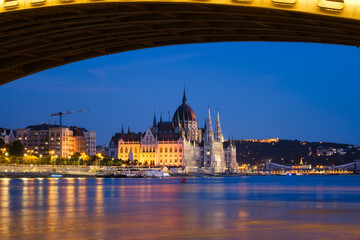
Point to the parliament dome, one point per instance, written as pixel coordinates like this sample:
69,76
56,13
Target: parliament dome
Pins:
184,113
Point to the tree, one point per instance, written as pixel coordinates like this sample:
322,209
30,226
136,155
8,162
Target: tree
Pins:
16,149
2,143
31,159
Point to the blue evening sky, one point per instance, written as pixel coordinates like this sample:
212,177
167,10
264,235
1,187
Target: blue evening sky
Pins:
262,90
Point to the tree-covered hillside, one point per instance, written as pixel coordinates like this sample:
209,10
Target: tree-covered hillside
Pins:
291,152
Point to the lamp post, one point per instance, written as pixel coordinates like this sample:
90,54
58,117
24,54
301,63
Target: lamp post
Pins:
6,155
100,156
24,158
40,158
55,159
51,153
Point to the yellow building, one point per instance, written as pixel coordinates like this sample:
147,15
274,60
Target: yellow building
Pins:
159,146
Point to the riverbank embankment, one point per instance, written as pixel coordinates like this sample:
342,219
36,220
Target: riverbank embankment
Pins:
44,171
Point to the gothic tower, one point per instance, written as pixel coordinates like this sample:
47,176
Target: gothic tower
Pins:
208,157
208,135
218,134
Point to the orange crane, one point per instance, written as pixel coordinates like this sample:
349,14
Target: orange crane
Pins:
60,114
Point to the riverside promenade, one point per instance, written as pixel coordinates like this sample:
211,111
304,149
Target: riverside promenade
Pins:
31,171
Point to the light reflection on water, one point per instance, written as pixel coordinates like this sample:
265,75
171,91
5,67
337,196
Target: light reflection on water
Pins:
298,207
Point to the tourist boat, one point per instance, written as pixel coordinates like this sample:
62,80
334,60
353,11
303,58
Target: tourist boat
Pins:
56,176
156,174
121,173
132,173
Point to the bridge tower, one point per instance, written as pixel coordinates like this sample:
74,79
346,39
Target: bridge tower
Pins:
268,165
357,167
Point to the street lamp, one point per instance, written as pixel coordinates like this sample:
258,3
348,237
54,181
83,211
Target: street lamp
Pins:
55,159
51,153
40,158
100,158
24,158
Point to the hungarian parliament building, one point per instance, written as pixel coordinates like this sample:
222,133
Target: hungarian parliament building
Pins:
179,143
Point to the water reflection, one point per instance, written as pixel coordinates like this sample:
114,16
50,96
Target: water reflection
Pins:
252,208
5,219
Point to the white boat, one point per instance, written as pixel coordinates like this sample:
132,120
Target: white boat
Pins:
156,174
56,176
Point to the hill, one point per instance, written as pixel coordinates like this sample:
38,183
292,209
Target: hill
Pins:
292,151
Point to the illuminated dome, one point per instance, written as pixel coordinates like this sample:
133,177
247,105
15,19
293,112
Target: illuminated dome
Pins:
184,114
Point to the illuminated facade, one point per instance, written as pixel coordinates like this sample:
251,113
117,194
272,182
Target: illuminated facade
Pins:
46,139
179,143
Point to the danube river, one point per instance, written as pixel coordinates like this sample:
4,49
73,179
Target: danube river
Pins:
269,207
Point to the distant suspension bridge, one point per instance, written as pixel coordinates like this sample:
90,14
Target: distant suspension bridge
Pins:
353,166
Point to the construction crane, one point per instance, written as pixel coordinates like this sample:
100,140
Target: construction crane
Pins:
60,114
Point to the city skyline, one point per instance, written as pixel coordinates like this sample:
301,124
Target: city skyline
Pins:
290,91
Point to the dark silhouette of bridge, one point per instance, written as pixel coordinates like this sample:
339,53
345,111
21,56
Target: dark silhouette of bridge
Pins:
36,35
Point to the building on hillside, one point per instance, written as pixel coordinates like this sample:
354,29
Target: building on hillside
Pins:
8,135
45,139
179,143
268,140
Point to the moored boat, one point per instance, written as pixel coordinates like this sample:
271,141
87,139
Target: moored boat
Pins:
156,174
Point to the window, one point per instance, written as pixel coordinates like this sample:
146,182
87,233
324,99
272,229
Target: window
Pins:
165,149
170,149
180,149
121,150
161,150
126,150
175,149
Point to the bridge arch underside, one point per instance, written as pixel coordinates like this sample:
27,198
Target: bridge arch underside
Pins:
37,39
